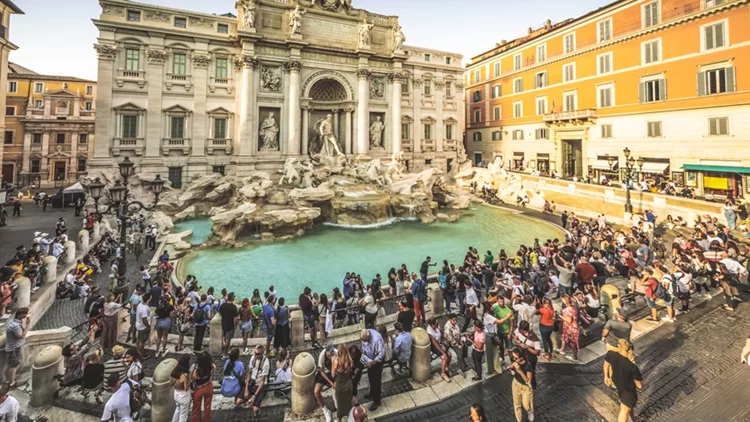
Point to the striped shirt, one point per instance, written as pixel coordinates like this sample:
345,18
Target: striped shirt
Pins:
13,335
115,366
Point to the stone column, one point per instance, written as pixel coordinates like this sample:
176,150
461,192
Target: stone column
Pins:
396,113
97,231
215,335
348,134
83,238
247,95
155,124
440,129
26,163
199,135
162,395
437,304
49,276
303,381
418,129
47,364
23,293
363,110
305,129
106,75
336,131
420,355
70,252
293,145
297,329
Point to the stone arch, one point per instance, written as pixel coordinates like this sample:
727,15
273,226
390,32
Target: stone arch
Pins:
330,76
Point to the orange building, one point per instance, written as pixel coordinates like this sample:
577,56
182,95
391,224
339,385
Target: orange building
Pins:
668,79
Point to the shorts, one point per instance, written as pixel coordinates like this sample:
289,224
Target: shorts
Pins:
651,303
270,332
683,295
628,398
310,320
143,335
228,335
163,325
132,319
246,326
15,357
434,350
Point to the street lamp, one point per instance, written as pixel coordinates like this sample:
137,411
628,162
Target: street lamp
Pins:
630,172
124,209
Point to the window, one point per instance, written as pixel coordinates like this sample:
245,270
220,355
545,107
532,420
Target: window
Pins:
517,62
477,116
653,129
428,131
426,57
497,113
8,137
222,68
177,129
497,135
448,60
606,131
476,96
179,64
175,177
129,126
569,72
36,165
497,69
448,131
497,91
81,164
570,101
36,138
180,22
134,16
405,88
477,75
541,106
89,105
541,133
541,53
38,87
477,136
517,109
517,85
448,89
604,63
650,14
604,30
570,43
427,87
718,126
651,51
716,81
10,111
220,128
712,3
12,86
606,96
540,80
38,103
219,169
89,90
132,58
714,36
518,135
222,28
83,138
60,137
653,90
405,131
427,162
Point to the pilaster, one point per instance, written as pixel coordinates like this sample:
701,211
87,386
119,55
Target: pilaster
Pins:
104,124
363,110
156,57
200,84
247,96
293,112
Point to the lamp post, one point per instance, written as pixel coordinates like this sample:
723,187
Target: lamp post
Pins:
123,208
630,172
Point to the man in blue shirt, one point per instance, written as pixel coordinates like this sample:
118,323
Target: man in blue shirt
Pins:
269,324
201,317
419,292
373,350
402,345
348,286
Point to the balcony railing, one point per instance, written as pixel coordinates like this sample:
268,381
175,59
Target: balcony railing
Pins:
450,144
225,83
127,144
179,80
212,144
407,145
570,116
428,145
175,144
137,76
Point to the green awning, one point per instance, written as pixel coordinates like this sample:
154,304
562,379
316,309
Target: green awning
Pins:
717,169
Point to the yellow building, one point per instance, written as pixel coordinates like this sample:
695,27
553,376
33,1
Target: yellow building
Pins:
49,127
668,79
7,8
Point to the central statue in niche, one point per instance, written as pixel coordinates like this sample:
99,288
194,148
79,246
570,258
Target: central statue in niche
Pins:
326,143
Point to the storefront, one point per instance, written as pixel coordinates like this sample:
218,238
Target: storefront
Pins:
601,168
717,182
542,163
517,163
655,170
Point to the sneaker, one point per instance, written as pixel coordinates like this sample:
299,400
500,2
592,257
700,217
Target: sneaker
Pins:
708,296
570,358
327,414
668,319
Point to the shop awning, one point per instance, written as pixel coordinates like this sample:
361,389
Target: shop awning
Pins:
717,169
518,155
654,167
604,165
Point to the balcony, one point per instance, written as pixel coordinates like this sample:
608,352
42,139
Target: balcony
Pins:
225,83
220,144
179,80
137,145
450,145
137,76
407,145
575,117
428,145
175,144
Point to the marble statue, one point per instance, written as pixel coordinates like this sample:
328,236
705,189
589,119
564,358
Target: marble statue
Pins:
335,5
330,146
373,173
269,134
248,13
307,174
291,175
295,20
363,30
377,88
398,38
376,133
270,79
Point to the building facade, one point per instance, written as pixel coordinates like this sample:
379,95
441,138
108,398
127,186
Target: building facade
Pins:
185,93
49,127
667,79
7,8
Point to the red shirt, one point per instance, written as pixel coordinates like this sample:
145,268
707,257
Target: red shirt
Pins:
548,316
586,272
651,288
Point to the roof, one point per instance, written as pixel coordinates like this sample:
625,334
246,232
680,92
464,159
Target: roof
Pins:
19,72
17,68
718,169
12,6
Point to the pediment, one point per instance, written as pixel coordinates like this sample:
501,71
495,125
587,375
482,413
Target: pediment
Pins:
62,93
220,110
128,107
177,109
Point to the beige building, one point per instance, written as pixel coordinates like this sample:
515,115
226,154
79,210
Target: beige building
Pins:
185,93
7,8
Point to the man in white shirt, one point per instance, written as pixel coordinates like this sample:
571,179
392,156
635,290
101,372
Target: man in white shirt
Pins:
117,408
525,309
733,266
8,405
142,323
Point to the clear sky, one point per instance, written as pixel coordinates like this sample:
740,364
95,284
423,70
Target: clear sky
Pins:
57,36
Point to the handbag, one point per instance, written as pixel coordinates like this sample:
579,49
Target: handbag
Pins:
557,325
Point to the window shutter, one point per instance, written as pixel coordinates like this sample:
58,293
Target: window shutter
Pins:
662,89
546,79
729,75
709,34
723,123
701,83
642,92
719,34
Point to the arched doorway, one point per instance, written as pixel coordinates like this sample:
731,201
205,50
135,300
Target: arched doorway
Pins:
328,94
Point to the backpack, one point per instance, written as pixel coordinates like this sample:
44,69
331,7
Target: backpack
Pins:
542,284
660,292
199,315
163,306
442,281
230,384
136,399
420,292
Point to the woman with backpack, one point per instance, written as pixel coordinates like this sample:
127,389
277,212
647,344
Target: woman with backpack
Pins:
181,383
281,339
246,323
203,387
445,282
182,314
135,367
234,371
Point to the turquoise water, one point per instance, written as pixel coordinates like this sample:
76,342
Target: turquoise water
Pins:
321,257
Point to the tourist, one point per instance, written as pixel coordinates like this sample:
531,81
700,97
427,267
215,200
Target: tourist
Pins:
282,337
729,284
370,307
183,315
505,324
181,384
622,372
163,313
110,322
521,386
570,333
372,358
9,406
93,375
135,366
745,354
145,276
324,377
118,406
15,337
657,290
255,383
283,373
547,327
308,314
565,277
525,309
229,318
477,340
564,219
471,304
529,343
232,381
201,317
116,365
246,323
269,324
477,414
402,345
135,300
454,341
342,369
203,387
358,412
437,347
143,324
405,315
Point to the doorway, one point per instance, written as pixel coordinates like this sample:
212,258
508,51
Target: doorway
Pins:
59,170
8,173
572,158
477,158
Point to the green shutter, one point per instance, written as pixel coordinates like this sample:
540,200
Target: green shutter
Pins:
729,75
701,84
709,34
642,92
662,89
719,34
